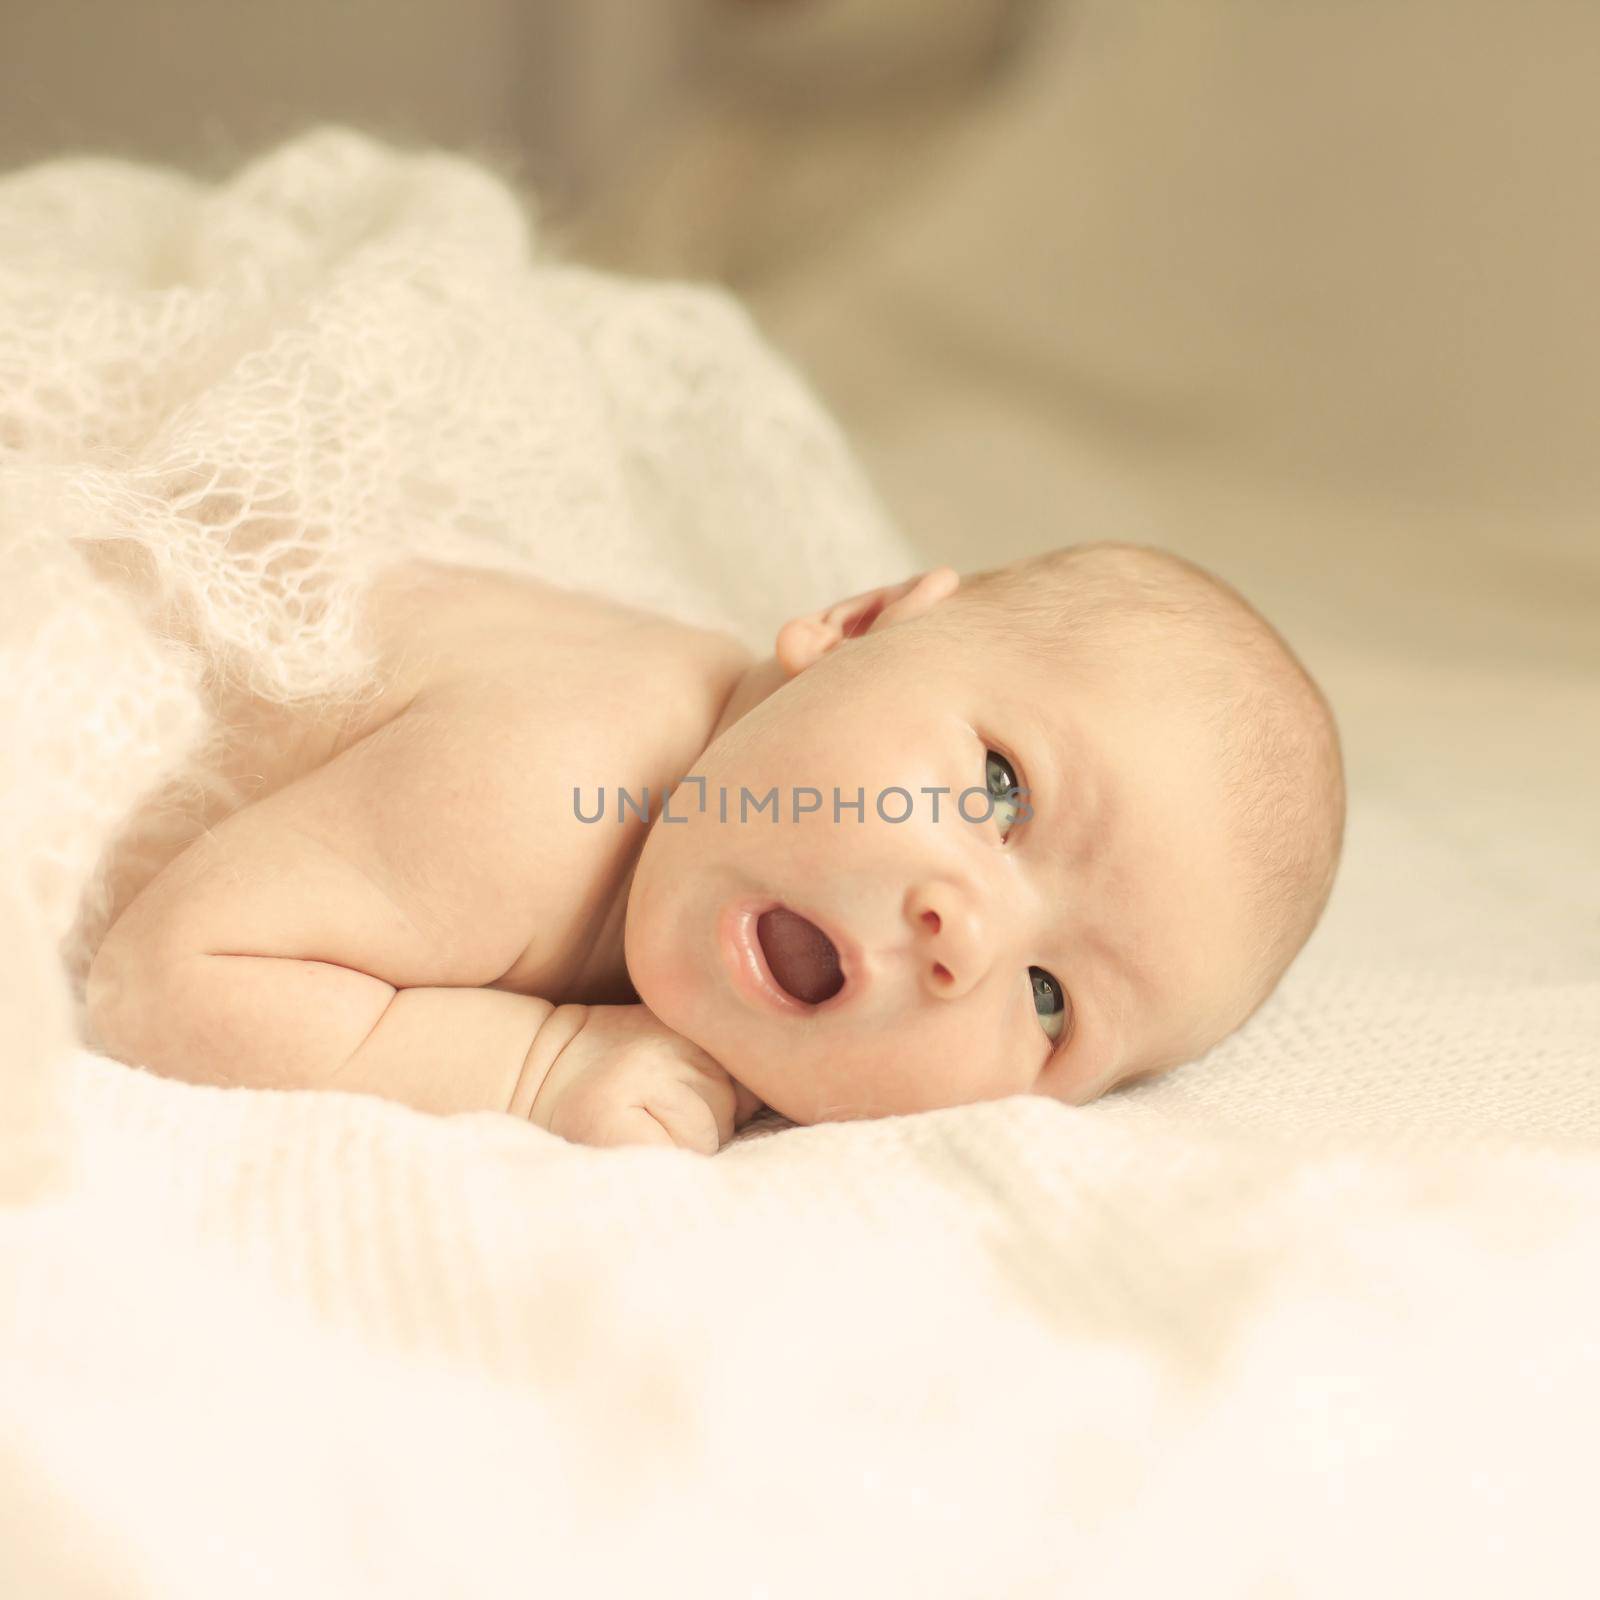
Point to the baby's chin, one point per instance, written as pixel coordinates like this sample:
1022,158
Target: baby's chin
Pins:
689,1003
673,982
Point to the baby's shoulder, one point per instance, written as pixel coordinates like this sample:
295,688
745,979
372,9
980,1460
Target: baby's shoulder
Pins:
429,623
560,656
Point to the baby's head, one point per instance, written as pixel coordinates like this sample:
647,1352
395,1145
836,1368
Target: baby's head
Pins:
1100,809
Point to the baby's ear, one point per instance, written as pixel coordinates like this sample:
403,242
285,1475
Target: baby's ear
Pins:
805,640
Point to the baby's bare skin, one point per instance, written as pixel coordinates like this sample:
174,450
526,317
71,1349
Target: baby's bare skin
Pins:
489,684
407,902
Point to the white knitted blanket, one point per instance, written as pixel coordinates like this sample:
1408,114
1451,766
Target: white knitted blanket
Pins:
1314,1316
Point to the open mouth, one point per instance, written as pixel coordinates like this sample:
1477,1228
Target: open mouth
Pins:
781,961
801,957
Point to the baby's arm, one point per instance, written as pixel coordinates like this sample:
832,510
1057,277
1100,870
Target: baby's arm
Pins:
338,933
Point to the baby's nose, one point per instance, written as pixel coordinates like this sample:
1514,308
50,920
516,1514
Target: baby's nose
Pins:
950,940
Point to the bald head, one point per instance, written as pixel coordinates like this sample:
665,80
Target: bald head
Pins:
1169,629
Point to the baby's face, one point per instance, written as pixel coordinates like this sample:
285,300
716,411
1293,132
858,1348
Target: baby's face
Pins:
1088,931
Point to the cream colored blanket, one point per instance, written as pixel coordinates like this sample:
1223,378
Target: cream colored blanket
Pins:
1314,1316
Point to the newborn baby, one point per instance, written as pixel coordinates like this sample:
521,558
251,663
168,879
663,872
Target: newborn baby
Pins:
1040,830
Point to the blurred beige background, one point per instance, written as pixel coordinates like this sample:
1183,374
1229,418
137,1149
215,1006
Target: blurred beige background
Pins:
1302,290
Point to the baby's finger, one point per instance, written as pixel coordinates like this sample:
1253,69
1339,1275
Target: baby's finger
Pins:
624,1125
683,1110
717,1089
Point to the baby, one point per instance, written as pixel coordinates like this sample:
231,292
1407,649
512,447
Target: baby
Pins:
1041,830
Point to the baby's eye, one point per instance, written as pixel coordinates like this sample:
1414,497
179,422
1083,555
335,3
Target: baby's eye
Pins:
1001,783
1049,1001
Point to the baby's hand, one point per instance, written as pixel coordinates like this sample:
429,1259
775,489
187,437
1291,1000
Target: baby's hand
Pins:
627,1078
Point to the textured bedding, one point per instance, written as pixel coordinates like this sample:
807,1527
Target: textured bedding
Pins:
1312,1316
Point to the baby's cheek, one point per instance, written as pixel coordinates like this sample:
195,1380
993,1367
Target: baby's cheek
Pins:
920,1067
